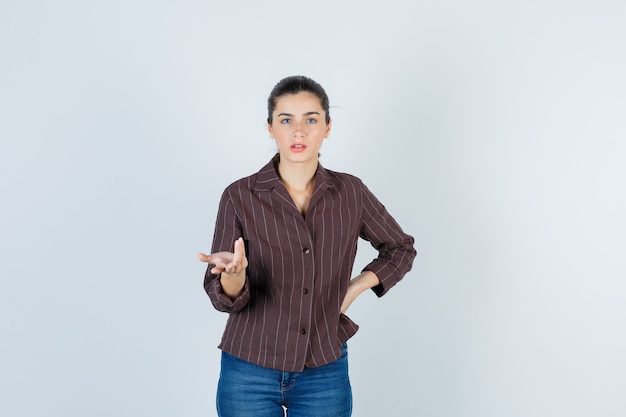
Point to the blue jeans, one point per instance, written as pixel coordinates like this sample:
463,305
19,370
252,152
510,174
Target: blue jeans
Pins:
249,390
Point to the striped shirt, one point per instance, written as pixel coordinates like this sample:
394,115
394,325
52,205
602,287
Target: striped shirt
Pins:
288,316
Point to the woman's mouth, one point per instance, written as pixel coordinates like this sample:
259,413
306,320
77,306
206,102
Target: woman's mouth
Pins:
297,147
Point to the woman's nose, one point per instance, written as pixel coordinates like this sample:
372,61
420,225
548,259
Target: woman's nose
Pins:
299,129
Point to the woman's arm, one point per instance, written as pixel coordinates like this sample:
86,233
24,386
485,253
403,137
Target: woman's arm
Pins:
362,282
225,279
395,247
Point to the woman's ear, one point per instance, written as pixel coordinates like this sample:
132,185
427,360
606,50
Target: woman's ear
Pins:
328,127
270,130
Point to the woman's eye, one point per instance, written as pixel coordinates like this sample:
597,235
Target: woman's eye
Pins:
285,121
311,121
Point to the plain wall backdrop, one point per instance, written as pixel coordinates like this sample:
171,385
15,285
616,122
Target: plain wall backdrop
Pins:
494,131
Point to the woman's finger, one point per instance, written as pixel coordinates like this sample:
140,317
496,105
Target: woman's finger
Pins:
203,257
239,255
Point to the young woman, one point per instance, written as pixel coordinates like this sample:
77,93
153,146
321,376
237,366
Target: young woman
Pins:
281,265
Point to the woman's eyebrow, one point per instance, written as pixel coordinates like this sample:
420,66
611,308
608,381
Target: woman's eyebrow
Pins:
309,113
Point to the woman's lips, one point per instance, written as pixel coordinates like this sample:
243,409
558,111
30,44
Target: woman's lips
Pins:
297,147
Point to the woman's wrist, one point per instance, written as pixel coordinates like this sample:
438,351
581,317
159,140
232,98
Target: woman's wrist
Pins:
364,281
233,284
359,284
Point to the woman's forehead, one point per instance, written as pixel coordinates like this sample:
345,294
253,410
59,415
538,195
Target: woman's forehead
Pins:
298,101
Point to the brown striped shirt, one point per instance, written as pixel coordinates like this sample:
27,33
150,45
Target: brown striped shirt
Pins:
288,315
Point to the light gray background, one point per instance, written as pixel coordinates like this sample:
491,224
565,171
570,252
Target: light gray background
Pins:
493,131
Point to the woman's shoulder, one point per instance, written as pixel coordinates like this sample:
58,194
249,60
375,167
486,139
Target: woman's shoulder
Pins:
246,182
264,179
342,177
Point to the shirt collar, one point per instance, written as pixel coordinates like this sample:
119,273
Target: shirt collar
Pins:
267,177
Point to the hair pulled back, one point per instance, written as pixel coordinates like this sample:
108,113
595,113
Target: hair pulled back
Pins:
293,85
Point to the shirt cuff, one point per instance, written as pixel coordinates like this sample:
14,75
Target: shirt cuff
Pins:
387,280
229,304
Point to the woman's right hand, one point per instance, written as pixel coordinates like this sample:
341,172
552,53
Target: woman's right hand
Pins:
231,267
228,263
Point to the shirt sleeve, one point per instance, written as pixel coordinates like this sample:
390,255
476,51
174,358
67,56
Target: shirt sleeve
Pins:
395,248
227,230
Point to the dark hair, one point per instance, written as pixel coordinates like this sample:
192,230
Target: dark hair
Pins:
294,85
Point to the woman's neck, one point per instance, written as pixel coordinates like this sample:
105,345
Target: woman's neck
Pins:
297,177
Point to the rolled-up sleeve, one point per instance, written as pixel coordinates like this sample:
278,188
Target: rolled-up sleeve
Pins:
395,248
227,230
221,301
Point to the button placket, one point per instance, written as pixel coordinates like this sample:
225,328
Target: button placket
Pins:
305,291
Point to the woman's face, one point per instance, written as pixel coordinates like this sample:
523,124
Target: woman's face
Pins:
299,127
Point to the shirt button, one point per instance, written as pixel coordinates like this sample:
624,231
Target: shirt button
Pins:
306,250
302,331
305,291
